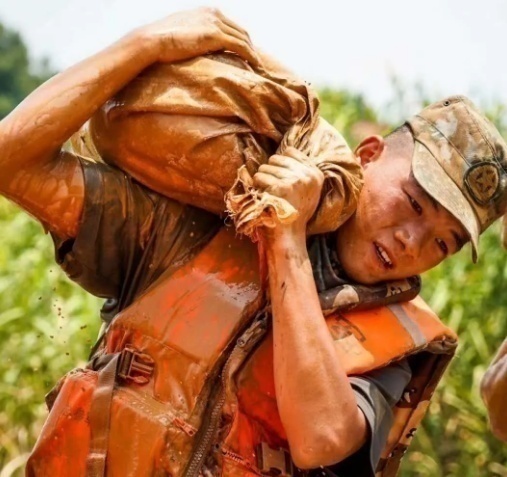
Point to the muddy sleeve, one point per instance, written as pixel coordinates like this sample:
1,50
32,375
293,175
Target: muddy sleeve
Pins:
376,395
128,235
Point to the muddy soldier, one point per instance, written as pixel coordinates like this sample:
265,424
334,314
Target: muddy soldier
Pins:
198,374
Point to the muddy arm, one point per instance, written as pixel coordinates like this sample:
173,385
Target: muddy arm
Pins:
47,182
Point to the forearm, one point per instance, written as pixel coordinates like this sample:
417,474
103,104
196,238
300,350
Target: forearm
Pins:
316,402
38,127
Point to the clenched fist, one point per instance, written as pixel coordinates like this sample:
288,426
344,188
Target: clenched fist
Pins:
295,178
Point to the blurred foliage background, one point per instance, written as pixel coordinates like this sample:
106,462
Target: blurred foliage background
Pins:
47,325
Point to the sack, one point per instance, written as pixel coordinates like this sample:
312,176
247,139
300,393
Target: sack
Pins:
198,130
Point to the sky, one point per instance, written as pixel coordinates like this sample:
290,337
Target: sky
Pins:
445,46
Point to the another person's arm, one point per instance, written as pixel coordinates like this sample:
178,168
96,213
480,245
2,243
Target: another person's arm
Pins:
316,401
494,392
34,171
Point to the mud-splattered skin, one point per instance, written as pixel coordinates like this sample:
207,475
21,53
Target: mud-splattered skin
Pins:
394,212
47,182
52,192
494,391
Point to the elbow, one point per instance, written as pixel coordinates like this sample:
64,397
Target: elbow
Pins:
328,441
324,449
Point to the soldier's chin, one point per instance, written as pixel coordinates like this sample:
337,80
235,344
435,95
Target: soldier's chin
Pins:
359,272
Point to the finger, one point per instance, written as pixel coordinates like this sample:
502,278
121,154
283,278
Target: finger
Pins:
234,33
241,45
286,162
278,172
234,26
265,181
296,154
242,49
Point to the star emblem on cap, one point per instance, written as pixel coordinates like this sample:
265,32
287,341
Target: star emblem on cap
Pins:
482,181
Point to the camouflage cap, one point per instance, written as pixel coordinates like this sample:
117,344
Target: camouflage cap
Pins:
460,159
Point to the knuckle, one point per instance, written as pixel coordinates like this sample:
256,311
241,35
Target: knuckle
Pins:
257,182
207,36
316,174
275,189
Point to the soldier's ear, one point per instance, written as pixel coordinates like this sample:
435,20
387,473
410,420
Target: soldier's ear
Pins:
370,149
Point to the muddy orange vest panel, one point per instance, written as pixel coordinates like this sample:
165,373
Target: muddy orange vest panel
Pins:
171,346
364,341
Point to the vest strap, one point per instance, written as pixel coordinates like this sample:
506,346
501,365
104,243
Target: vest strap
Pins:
276,462
410,325
128,365
99,417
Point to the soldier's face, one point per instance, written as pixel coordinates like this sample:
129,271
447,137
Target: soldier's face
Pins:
398,230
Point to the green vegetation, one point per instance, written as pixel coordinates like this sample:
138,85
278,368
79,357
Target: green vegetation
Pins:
18,75
47,325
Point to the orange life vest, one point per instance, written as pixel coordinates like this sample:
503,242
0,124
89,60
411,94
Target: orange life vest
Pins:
186,377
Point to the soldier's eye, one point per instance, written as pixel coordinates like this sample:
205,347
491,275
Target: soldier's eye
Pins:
443,246
415,205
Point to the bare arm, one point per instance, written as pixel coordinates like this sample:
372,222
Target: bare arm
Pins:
494,392
35,173
47,182
315,399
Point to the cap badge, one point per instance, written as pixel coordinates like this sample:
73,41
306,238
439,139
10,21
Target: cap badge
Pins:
482,181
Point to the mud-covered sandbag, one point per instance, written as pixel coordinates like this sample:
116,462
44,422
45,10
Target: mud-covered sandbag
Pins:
198,130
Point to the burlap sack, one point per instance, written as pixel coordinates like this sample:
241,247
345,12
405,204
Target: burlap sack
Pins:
198,130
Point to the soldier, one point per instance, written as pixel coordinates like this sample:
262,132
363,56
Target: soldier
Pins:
185,380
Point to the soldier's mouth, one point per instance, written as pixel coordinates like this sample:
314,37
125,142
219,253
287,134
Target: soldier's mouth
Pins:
383,256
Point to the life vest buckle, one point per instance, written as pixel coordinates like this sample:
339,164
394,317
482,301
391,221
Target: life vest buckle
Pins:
274,462
135,366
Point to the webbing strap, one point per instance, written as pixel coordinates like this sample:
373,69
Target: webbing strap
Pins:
409,324
99,417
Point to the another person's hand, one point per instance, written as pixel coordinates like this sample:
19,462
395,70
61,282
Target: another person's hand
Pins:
192,33
494,394
294,178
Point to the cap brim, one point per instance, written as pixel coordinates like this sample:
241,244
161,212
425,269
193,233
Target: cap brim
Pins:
437,183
